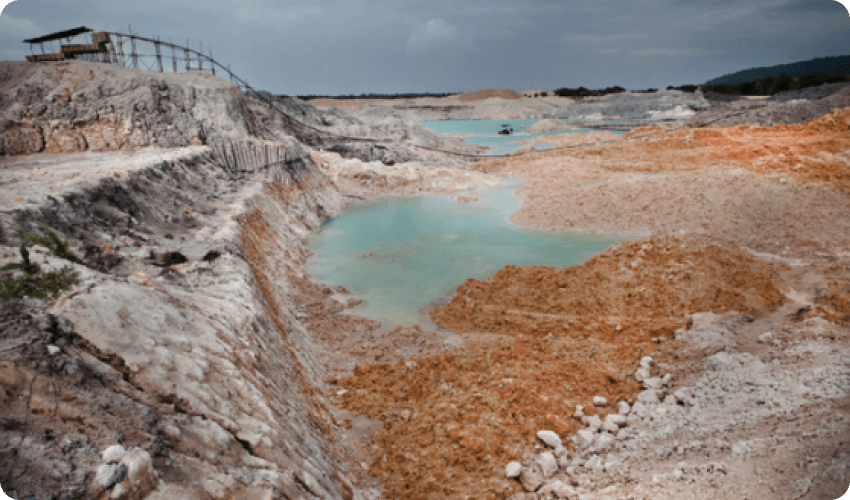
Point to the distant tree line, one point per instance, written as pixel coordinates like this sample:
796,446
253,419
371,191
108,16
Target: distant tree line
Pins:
764,86
584,92
772,85
685,88
376,96
833,64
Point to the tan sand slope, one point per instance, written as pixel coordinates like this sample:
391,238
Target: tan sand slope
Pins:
481,95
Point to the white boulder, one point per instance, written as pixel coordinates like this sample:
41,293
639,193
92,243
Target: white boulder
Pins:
531,477
513,469
648,397
584,438
593,462
550,438
609,427
604,441
653,383
616,419
548,464
561,490
592,422
113,454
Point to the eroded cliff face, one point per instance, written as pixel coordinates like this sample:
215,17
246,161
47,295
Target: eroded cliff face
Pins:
72,107
176,367
218,378
75,106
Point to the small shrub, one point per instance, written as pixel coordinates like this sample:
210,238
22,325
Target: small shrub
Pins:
171,258
51,242
25,265
211,255
42,286
616,89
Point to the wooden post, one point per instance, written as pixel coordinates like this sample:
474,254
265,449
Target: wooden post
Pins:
212,65
173,55
122,58
158,55
200,60
186,53
134,58
230,73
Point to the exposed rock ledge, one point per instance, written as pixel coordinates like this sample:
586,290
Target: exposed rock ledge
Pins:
177,367
200,364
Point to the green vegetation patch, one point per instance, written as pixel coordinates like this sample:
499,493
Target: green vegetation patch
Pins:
584,92
824,65
24,265
40,286
33,283
52,242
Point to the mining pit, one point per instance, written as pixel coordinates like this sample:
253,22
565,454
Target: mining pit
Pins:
161,336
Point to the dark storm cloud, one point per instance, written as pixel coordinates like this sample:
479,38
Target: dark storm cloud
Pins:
360,46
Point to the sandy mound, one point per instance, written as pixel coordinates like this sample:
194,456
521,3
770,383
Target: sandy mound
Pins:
487,94
547,125
463,415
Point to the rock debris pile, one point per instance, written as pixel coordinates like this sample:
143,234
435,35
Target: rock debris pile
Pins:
539,343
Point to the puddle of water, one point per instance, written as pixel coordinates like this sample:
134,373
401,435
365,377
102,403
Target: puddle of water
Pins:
486,132
424,247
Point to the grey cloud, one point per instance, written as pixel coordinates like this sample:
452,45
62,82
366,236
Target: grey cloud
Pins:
361,46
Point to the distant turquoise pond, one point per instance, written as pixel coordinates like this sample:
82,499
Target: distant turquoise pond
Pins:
486,132
424,247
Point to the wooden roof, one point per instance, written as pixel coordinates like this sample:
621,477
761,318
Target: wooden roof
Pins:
59,35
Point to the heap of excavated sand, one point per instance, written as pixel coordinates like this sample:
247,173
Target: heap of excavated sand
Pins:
547,125
481,95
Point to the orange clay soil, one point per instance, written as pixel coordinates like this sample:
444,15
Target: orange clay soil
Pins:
539,342
832,303
834,307
811,152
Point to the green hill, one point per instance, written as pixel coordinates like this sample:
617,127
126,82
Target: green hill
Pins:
835,64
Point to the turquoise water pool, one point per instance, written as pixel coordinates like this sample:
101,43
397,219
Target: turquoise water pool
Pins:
424,247
486,133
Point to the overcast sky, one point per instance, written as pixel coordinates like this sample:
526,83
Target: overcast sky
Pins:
382,46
